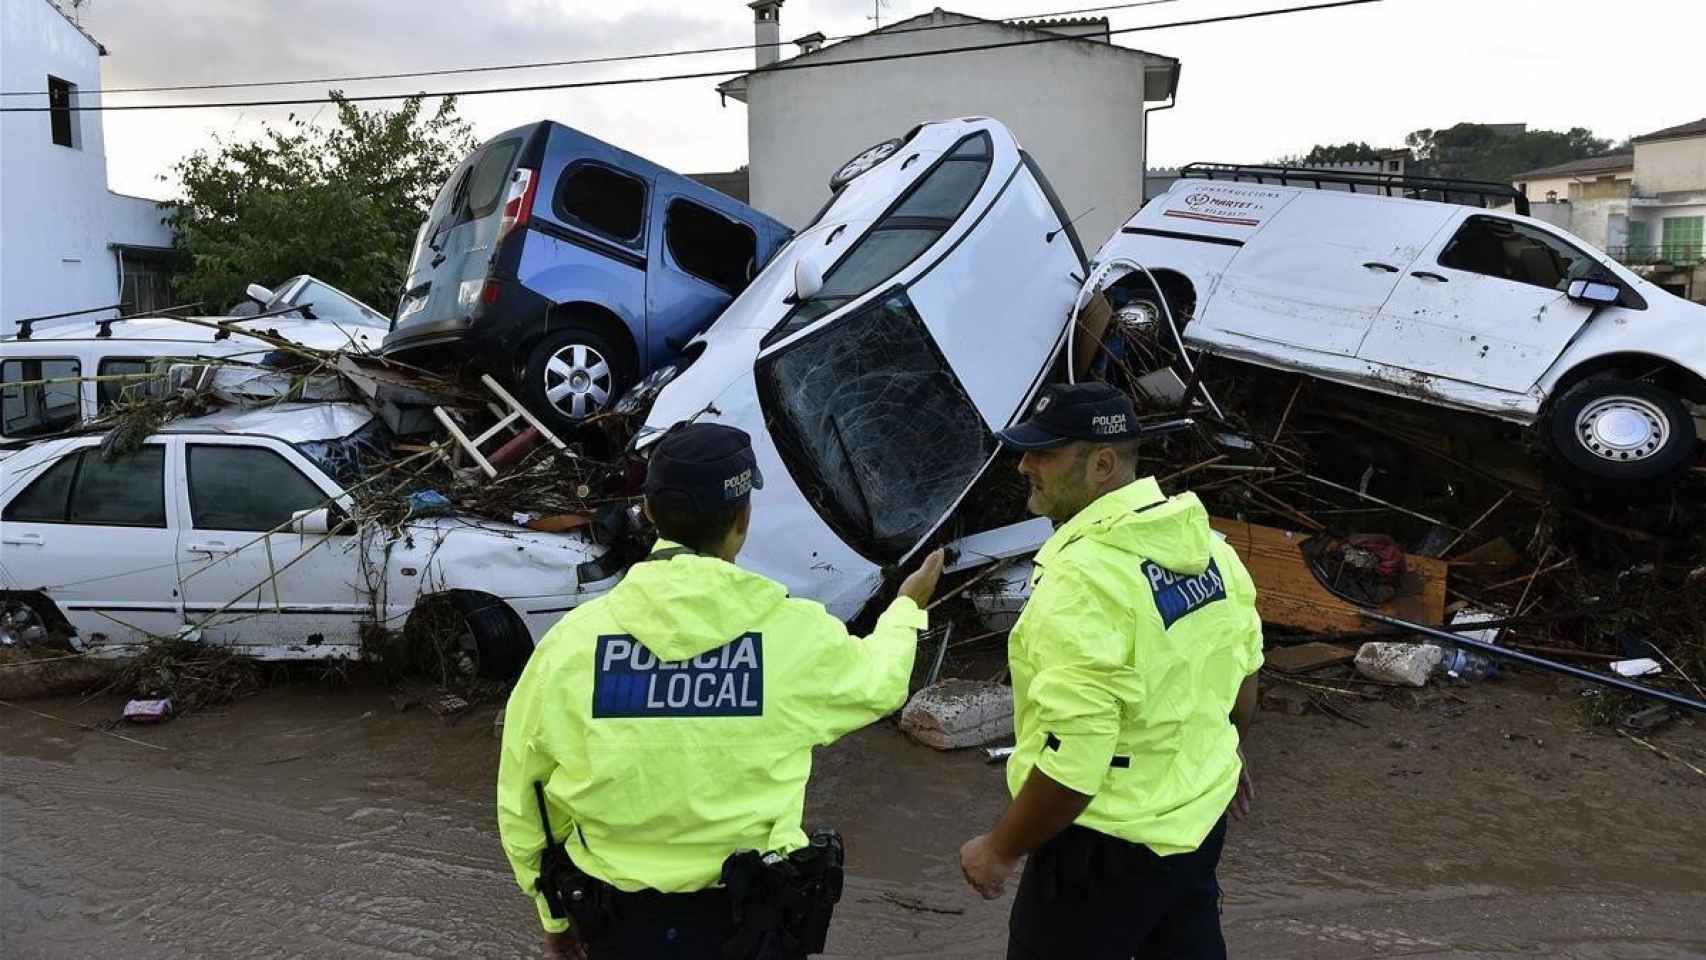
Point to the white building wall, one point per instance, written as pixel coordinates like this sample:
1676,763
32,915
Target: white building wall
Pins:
57,219
1077,107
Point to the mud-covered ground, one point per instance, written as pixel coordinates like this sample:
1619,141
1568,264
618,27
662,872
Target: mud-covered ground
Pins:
310,823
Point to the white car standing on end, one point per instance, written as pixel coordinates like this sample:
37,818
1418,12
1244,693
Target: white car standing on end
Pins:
229,528
1482,310
873,358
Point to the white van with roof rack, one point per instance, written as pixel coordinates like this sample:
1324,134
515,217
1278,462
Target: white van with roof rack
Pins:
1372,281
57,372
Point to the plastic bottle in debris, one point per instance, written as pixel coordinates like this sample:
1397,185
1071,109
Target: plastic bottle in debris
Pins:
1466,665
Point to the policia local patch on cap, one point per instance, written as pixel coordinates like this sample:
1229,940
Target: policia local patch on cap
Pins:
630,681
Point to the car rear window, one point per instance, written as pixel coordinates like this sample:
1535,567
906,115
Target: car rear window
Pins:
602,200
39,396
486,181
927,210
874,427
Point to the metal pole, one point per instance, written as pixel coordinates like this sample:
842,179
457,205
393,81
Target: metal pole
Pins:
1505,653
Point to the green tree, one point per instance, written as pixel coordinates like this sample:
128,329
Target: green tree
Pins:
341,202
1341,153
1477,151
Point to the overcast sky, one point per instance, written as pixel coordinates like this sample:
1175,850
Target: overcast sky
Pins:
1250,91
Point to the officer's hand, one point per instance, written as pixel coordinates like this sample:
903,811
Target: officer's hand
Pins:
920,585
986,870
1239,808
564,946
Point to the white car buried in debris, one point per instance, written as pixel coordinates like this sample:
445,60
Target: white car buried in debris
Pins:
874,357
1474,309
173,539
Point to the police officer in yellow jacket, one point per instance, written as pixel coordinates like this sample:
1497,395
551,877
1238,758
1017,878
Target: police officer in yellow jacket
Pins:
1133,668
668,724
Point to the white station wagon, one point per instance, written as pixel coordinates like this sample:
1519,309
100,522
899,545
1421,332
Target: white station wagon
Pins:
175,536
1474,309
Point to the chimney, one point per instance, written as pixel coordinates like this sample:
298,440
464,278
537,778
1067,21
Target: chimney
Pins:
811,42
766,31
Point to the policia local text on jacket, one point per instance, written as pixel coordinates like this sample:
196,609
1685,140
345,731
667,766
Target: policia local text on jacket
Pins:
672,721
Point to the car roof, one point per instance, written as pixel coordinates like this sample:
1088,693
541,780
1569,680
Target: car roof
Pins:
290,422
318,334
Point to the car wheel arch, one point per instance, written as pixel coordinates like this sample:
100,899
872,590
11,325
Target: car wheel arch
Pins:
573,312
1633,365
44,606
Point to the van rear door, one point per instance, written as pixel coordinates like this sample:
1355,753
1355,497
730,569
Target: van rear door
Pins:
454,250
1318,271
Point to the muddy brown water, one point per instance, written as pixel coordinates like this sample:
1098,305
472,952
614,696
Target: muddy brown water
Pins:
308,823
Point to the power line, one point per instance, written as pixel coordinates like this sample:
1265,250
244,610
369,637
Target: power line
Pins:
705,75
615,58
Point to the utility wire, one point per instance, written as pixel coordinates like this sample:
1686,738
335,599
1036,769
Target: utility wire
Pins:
616,58
634,81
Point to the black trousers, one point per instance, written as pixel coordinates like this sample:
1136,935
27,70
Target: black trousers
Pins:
1087,896
656,926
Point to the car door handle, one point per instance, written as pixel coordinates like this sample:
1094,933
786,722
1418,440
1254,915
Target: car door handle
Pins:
209,546
1374,265
1425,275
438,259
25,540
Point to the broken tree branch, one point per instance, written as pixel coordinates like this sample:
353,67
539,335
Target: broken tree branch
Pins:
1385,503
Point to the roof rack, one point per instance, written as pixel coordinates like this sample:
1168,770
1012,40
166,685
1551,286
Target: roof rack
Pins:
1472,193
26,326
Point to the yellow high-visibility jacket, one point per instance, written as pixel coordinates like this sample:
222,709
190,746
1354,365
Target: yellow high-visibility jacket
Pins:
672,721
1126,661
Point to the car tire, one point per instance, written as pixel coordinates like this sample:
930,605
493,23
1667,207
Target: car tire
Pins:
575,373
862,162
28,620
1608,431
495,640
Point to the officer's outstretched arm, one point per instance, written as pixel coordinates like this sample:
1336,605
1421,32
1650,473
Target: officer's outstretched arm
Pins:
523,761
847,681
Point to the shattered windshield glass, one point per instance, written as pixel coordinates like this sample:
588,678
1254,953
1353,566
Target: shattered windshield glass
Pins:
348,460
874,427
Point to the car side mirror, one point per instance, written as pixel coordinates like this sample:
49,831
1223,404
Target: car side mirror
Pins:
808,278
1593,291
311,521
257,293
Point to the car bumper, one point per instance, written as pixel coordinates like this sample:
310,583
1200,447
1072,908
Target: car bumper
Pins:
436,333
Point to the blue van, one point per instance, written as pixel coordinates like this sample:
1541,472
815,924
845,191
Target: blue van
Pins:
572,268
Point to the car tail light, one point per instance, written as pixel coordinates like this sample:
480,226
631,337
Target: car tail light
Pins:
519,201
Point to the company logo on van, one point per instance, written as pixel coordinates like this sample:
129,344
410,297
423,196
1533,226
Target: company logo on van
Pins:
1241,207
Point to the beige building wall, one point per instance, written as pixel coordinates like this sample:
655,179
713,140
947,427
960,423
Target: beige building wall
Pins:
1666,166
1077,107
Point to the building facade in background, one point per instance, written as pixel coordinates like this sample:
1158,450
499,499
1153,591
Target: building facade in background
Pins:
66,241
1077,105
1645,206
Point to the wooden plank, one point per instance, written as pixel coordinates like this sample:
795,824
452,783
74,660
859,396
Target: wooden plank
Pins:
1307,656
1287,592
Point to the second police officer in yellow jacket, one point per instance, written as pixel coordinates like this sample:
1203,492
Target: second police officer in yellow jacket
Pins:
657,746
1133,669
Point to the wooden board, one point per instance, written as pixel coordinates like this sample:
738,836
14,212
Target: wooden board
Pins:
1308,656
1287,593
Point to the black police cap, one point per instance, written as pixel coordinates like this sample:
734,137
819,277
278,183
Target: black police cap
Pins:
706,465
1066,413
